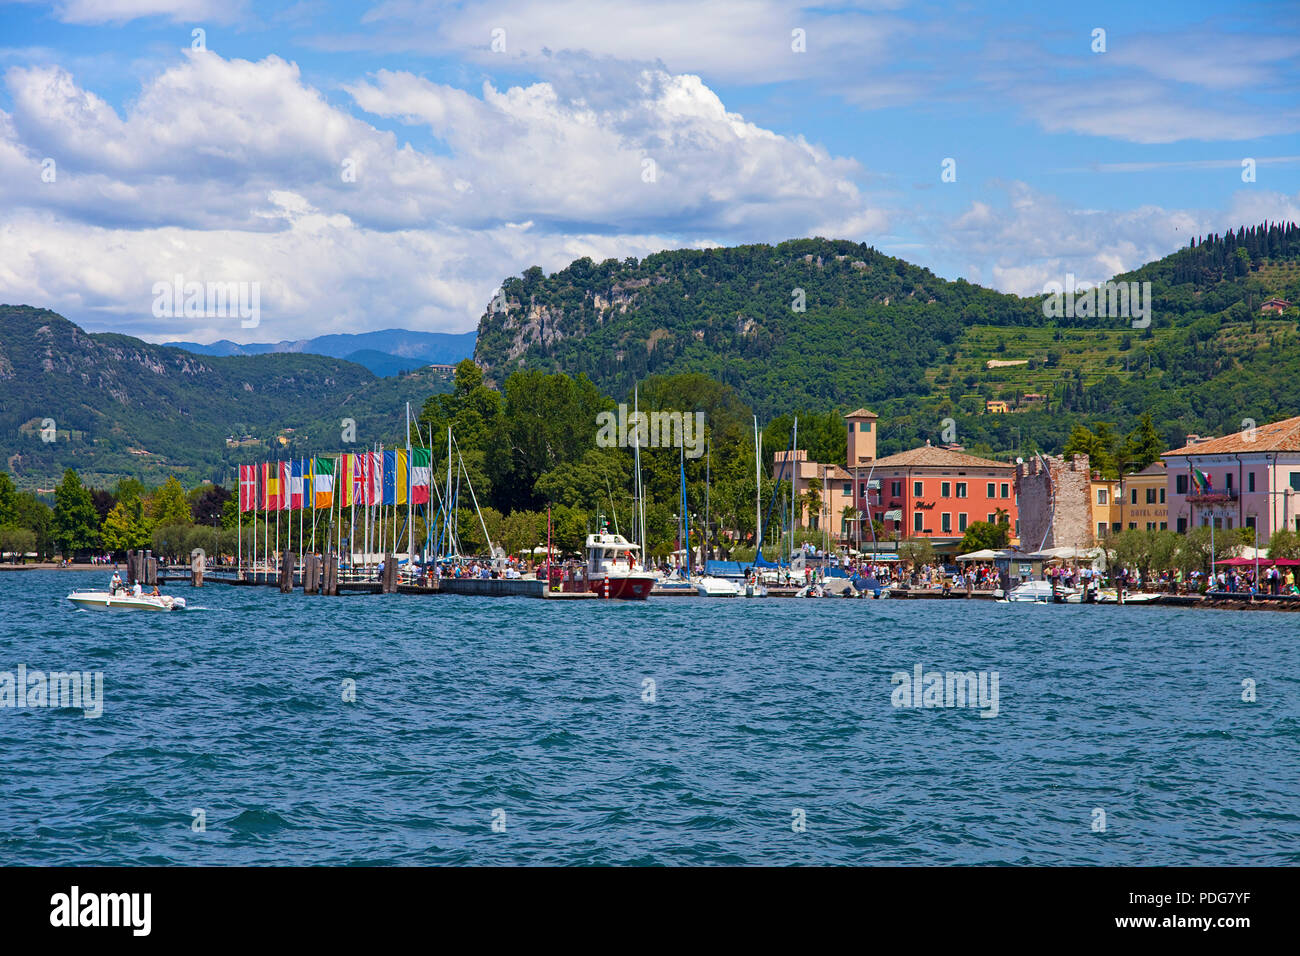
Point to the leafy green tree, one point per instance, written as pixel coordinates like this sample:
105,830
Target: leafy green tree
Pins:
16,541
171,541
76,522
35,515
1142,446
983,534
170,505
1284,543
8,499
125,528
916,551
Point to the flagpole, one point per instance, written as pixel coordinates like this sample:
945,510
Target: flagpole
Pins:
410,505
239,536
266,514
288,500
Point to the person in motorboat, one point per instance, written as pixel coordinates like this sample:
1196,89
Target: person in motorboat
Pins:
155,592
115,584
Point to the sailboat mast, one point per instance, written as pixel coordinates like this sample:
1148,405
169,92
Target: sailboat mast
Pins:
758,493
794,483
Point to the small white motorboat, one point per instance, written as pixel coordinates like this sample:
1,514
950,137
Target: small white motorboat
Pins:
710,586
1040,592
124,600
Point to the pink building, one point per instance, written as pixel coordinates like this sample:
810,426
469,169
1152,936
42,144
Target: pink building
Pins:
1250,479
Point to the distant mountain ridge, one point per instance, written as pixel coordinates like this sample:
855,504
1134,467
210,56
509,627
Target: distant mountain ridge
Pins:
386,352
123,407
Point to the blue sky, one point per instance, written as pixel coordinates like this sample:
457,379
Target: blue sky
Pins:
486,137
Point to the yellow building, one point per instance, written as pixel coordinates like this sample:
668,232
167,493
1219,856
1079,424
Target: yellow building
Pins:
995,406
1105,495
1142,503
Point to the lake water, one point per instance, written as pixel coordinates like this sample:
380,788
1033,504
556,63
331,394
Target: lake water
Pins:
770,734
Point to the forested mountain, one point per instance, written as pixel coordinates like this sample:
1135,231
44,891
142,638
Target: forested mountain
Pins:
387,352
121,407
878,331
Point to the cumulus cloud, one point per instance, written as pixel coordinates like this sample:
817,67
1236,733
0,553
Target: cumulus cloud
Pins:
234,170
1028,238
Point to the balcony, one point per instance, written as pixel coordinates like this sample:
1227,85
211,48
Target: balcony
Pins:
1210,499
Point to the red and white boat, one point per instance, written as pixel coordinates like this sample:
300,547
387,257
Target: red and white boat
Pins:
613,570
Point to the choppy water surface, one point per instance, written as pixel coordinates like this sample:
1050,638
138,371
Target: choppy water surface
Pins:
535,708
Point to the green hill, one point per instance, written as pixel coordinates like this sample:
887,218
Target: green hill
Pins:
878,331
122,407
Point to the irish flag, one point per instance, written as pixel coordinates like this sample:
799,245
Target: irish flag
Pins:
322,481
421,459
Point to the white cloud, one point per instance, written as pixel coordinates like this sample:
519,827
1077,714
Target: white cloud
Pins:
230,170
1033,238
122,11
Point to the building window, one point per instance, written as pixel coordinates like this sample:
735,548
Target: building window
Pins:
916,521
916,490
1151,496
1295,481
1151,526
1131,524
896,489
1102,496
848,491
1017,527
1250,521
1250,481
862,427
961,489
992,491
1182,525
992,519
1164,526
961,521
1180,484
945,490
1162,494
1101,529
1006,490
1227,480
1116,526
947,522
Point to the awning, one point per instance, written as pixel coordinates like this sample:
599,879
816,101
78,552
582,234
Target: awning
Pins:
895,515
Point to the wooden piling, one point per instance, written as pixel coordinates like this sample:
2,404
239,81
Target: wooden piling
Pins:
388,583
310,574
286,572
331,583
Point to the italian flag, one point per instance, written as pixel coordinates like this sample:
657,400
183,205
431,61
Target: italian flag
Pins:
322,481
420,471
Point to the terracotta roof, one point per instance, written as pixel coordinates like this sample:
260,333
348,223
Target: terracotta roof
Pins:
862,413
932,457
1275,436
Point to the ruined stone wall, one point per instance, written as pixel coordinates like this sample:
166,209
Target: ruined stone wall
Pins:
1067,482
